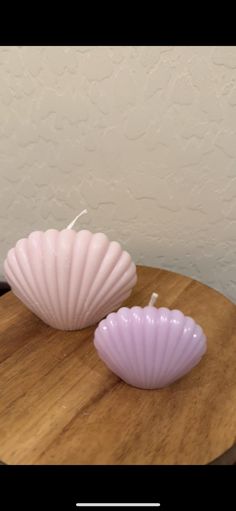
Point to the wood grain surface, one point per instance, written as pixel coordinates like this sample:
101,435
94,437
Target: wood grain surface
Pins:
59,404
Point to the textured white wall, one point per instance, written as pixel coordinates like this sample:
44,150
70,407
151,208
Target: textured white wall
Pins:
144,137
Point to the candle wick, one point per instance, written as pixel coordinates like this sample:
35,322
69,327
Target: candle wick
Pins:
84,212
153,299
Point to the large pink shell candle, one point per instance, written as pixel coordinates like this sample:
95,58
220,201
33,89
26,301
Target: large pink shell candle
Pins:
148,347
70,280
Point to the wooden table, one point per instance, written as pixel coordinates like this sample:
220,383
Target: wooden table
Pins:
59,404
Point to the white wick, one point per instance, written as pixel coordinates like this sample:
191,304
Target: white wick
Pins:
153,299
84,212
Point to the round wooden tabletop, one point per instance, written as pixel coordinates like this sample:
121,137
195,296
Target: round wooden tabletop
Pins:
61,405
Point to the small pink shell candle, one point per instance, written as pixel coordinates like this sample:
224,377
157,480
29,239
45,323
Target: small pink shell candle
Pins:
70,280
149,347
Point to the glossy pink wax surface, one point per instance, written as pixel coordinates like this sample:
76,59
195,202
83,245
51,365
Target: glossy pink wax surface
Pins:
70,279
149,347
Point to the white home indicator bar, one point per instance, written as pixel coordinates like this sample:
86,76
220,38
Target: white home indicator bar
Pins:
118,504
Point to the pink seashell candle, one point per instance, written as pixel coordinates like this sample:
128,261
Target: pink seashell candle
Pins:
70,280
148,347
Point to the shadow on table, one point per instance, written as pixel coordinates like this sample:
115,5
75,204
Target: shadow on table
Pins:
4,288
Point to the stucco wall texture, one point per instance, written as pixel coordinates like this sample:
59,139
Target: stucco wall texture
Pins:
143,137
